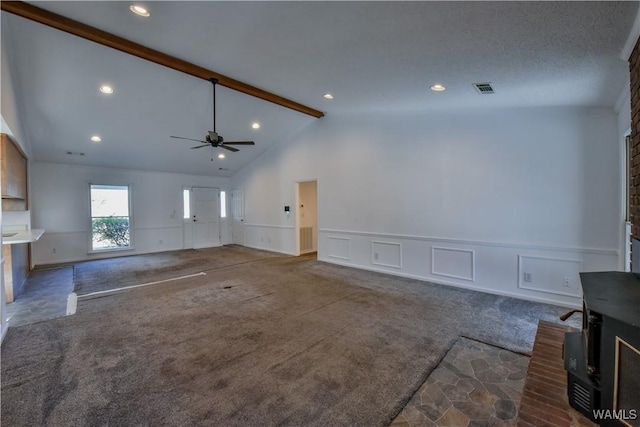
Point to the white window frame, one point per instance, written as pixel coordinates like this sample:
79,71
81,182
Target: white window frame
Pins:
90,218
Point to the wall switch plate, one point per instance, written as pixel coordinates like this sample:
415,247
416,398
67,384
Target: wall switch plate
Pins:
527,277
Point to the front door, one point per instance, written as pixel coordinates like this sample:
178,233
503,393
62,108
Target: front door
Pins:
206,217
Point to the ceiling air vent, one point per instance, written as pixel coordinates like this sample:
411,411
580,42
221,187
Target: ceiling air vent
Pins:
484,88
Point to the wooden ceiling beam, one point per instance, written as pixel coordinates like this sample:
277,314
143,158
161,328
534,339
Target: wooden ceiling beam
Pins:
93,34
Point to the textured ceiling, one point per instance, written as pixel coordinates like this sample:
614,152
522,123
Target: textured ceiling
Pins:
373,56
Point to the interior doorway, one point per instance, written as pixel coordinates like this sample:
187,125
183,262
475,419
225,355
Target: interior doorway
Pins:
307,217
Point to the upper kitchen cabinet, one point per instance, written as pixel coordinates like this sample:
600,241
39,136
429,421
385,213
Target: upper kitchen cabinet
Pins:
14,175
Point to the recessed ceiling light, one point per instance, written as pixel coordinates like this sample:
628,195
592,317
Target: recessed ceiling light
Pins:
106,89
438,88
328,96
255,125
139,10
96,138
221,156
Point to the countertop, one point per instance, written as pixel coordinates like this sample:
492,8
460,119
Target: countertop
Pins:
21,236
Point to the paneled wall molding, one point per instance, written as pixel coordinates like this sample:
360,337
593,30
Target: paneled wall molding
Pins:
554,270
340,248
471,267
473,287
595,251
385,253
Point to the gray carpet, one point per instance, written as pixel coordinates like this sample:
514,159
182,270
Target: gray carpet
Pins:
281,341
112,273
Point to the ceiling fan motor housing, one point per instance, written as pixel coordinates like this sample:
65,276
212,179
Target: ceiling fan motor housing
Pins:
213,137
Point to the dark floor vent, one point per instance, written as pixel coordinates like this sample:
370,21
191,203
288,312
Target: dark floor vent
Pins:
484,88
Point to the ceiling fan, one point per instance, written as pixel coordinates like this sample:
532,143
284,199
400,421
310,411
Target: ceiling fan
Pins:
212,138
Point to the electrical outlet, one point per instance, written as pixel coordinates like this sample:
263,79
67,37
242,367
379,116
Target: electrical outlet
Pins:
53,251
375,256
160,241
528,277
566,282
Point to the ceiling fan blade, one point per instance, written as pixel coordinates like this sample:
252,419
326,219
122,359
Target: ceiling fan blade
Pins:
240,143
228,148
200,146
188,139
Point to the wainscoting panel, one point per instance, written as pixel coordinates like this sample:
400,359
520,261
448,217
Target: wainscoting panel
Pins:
70,246
386,254
339,247
492,267
454,263
553,275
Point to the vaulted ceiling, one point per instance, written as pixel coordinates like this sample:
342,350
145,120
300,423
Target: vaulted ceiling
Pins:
372,56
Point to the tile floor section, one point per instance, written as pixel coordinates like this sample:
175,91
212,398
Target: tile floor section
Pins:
474,385
44,297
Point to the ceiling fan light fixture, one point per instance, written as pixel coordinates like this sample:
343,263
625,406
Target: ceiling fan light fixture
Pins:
139,10
106,89
438,88
221,156
212,138
328,96
255,125
96,138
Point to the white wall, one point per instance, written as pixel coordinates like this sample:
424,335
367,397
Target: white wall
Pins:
60,205
11,123
467,198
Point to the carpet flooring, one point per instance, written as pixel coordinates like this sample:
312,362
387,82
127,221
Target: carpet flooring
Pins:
106,274
272,341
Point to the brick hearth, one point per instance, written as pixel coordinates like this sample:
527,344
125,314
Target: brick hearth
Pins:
544,399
